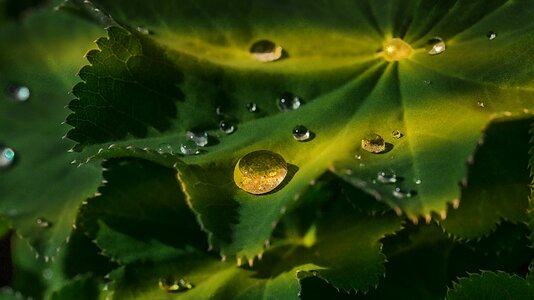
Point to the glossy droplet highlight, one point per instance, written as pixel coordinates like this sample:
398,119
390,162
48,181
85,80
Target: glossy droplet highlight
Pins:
252,107
491,35
400,193
189,148
301,133
397,134
226,127
43,223
172,285
143,30
480,103
19,92
396,49
165,148
387,176
7,157
288,101
436,46
427,82
260,172
373,143
200,137
219,111
266,51
418,181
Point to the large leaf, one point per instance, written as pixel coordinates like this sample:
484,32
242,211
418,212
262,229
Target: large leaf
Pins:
141,91
489,285
44,55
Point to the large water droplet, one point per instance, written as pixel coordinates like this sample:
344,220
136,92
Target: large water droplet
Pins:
165,148
387,176
260,172
200,137
43,223
226,127
189,147
491,35
266,51
436,45
7,157
19,92
396,49
400,193
288,101
252,107
373,143
301,133
397,134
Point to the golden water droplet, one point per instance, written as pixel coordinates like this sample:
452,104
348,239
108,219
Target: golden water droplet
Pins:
396,49
436,46
169,284
373,143
260,172
266,51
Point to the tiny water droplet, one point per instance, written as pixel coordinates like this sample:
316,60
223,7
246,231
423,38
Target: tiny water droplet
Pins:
301,133
172,285
200,137
396,49
491,35
143,30
165,148
252,107
373,143
418,181
7,157
43,223
226,127
287,101
189,147
48,274
400,193
480,103
19,92
387,176
266,51
397,134
530,267
437,46
185,284
219,111
427,82
358,156
260,172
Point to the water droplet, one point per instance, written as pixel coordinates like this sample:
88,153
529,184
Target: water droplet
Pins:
427,82
185,284
19,92
301,133
172,285
7,157
400,193
43,223
266,51
480,103
165,148
200,137
219,111
491,35
373,143
387,176
260,172
48,274
418,181
287,101
437,46
396,49
143,30
252,107
397,134
189,147
358,156
226,127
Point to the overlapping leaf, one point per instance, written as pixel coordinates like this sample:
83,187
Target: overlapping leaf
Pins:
489,285
440,103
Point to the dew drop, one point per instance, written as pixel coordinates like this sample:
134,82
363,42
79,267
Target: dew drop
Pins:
396,49
266,51
436,45
480,103
7,157
252,107
427,82
373,143
491,35
301,133
400,193
219,111
358,156
418,181
387,176
165,148
48,274
200,137
143,30
288,101
172,285
189,147
226,127
43,223
19,92
185,284
260,172
397,134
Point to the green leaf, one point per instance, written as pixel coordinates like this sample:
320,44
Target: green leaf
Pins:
141,214
497,186
83,288
199,54
42,183
489,285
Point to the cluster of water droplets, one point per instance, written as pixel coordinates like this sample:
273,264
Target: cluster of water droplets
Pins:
173,285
